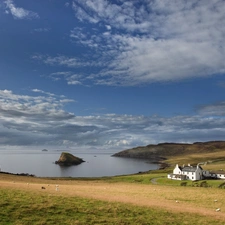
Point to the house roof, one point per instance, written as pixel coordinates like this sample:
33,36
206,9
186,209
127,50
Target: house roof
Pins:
218,172
190,168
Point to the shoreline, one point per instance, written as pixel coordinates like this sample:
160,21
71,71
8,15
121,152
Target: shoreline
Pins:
162,166
18,174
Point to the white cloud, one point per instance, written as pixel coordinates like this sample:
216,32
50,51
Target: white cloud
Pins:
82,15
19,13
41,29
74,82
59,75
43,92
108,27
154,41
42,121
67,4
30,106
70,77
62,60
216,109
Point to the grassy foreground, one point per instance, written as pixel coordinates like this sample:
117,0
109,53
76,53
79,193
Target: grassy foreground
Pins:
148,198
120,200
24,207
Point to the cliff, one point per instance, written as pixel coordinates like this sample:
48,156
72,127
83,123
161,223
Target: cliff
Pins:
67,159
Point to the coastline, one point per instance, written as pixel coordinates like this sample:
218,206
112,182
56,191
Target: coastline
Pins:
162,166
18,174
101,165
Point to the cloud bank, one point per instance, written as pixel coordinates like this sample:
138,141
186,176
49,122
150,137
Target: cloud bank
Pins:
152,41
39,120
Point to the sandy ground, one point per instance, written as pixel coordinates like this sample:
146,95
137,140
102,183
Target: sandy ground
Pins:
137,194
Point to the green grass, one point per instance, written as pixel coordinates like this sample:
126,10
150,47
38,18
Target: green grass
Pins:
165,181
22,207
142,178
158,177
25,207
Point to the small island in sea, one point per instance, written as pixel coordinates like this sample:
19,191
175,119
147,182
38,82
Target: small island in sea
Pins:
67,159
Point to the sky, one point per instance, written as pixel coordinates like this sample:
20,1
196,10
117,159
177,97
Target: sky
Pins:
111,75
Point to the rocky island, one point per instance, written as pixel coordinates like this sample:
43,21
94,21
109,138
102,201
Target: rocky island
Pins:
67,159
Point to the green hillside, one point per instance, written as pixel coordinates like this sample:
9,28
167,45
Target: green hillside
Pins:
172,153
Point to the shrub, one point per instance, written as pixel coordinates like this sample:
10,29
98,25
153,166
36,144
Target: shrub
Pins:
183,183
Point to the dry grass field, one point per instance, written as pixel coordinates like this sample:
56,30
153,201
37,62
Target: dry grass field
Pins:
210,158
201,202
148,198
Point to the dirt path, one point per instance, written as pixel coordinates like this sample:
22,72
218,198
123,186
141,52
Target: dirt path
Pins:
136,194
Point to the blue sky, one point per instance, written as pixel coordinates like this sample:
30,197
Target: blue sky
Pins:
110,75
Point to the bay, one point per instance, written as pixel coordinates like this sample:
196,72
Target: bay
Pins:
41,164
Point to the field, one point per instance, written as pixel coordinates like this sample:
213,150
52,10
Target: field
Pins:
145,198
136,199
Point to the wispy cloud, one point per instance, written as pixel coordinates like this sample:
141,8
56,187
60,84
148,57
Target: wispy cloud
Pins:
153,41
42,30
19,13
216,109
67,4
62,60
42,121
43,92
70,77
73,63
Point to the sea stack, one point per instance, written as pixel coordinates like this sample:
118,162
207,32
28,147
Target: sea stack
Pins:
67,159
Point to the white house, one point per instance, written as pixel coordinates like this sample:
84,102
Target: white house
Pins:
220,174
187,173
194,173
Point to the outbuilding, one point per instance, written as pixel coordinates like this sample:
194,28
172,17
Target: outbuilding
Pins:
219,174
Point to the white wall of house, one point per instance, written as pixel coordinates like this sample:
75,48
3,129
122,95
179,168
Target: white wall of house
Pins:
196,174
177,170
220,176
193,175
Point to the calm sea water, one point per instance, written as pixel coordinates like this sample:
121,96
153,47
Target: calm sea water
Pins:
41,164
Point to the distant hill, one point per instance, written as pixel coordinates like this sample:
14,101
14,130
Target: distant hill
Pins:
163,151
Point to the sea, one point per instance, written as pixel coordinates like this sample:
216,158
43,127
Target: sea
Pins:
41,164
